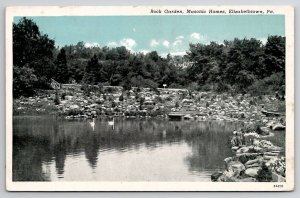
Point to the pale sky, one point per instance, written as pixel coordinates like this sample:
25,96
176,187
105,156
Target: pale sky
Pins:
165,34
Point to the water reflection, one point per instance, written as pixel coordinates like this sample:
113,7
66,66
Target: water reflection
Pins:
51,149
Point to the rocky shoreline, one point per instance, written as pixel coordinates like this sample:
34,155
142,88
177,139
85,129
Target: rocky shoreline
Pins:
78,101
255,159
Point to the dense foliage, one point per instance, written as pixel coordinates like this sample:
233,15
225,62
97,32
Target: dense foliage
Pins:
32,58
241,65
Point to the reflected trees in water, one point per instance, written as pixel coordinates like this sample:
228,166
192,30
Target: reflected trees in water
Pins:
40,141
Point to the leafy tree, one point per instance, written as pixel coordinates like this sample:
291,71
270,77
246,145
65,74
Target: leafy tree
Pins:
31,48
240,65
275,54
127,85
23,81
237,64
32,57
92,72
62,74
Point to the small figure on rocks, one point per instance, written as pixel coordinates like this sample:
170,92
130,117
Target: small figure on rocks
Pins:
236,140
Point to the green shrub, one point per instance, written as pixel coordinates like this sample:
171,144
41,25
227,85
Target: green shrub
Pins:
130,113
121,98
243,159
109,90
156,113
222,87
269,85
142,113
74,112
56,100
206,87
264,174
24,80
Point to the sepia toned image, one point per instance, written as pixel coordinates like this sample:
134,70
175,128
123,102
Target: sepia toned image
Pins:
150,98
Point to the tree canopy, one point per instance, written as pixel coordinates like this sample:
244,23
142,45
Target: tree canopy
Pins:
32,57
239,65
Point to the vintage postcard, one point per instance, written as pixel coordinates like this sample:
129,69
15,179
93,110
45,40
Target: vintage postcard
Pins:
150,98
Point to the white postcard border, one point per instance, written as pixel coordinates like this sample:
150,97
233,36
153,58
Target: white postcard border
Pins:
288,11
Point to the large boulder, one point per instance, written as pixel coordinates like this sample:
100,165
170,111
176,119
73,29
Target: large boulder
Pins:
257,149
270,124
68,97
228,159
243,149
253,165
278,127
256,142
63,102
250,162
252,172
227,176
267,157
267,145
274,148
93,105
236,167
252,135
245,157
262,130
74,106
235,148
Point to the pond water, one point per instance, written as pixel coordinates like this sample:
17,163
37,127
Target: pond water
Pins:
50,149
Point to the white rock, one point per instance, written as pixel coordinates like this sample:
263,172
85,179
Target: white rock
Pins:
74,106
252,172
250,162
236,167
243,150
63,102
68,97
252,165
278,127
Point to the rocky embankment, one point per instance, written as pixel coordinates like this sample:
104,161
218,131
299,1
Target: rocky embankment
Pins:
75,101
255,159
